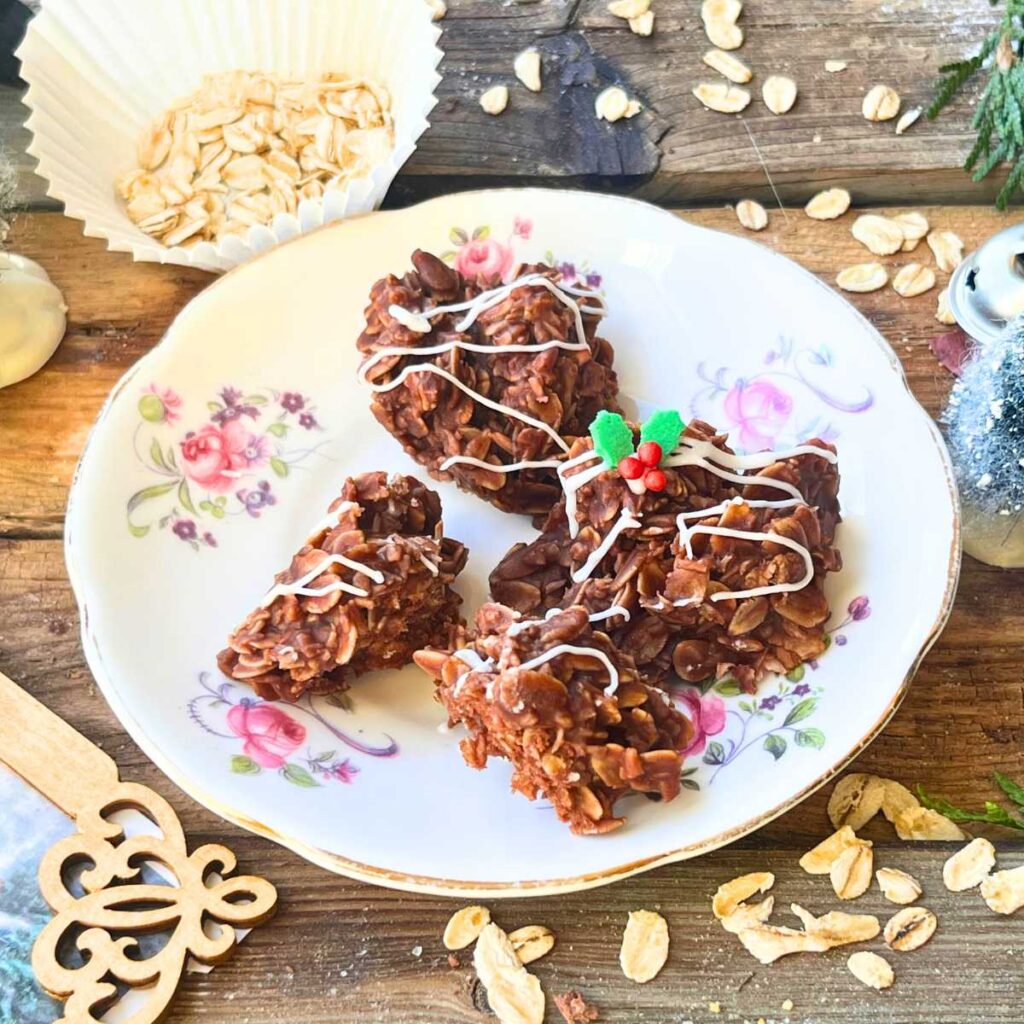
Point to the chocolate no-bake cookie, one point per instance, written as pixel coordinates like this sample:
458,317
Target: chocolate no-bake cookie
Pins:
568,709
371,585
737,591
508,379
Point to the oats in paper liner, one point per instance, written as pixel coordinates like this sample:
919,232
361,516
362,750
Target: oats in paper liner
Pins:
222,158
514,994
748,915
970,866
725,99
644,946
871,969
910,929
1003,891
779,93
913,280
881,103
915,226
850,872
531,942
855,800
828,205
731,894
862,277
726,64
752,215
924,825
880,235
898,886
948,249
819,860
464,927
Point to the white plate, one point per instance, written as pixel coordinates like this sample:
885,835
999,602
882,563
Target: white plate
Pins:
708,323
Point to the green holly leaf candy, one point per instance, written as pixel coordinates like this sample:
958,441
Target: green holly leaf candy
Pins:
664,427
613,438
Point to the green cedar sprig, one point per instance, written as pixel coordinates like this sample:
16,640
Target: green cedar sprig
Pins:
998,116
993,813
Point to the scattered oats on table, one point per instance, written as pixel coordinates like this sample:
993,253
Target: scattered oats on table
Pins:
494,100
828,205
644,946
726,64
531,942
752,215
863,277
943,313
527,69
779,93
881,103
726,99
612,104
913,279
248,145
720,17
643,25
880,235
948,249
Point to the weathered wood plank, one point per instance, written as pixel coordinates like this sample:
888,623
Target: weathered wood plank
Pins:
702,157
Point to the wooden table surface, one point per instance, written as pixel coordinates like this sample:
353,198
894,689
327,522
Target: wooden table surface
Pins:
343,952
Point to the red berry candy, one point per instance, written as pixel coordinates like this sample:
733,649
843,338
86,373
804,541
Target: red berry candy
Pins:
631,468
649,453
654,479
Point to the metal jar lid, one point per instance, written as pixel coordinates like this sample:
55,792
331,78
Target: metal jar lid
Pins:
987,289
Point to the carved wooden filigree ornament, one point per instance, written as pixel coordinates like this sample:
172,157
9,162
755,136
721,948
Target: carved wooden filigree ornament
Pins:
102,914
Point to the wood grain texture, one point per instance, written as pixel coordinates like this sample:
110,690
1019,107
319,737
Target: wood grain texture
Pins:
341,952
677,151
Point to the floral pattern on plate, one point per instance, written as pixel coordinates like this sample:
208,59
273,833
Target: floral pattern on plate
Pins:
790,398
274,739
478,254
223,467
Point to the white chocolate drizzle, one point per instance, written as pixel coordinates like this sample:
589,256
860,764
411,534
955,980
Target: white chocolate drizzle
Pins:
300,587
572,484
686,532
475,663
431,566
511,467
419,321
593,652
331,520
624,522
612,610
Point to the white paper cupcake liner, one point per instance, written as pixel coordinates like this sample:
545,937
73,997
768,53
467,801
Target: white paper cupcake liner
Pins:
99,71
